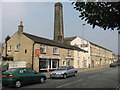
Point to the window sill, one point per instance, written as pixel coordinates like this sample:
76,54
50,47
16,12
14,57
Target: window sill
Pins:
16,50
43,53
55,53
9,50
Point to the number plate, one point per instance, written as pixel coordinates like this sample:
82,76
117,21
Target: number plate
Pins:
3,75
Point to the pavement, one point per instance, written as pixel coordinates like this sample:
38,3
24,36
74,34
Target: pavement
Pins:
80,70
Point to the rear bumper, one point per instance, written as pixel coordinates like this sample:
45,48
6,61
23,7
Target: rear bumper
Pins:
8,82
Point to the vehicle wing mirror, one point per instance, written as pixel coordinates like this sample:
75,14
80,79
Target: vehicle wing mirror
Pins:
35,73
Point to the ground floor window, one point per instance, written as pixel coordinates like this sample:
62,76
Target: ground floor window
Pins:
85,63
63,62
92,63
47,64
100,61
78,62
54,63
69,62
43,64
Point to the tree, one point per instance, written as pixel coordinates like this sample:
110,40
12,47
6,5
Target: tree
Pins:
7,38
106,15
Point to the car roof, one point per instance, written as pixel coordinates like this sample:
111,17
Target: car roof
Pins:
20,68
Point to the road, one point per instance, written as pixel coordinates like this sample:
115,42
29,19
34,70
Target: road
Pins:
100,78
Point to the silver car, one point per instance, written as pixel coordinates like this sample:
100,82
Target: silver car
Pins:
64,72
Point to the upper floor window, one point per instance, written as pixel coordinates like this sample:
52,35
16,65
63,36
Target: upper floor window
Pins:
55,50
9,48
78,54
25,50
69,52
42,49
84,45
17,47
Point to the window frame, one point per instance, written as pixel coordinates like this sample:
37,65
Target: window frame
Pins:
54,51
43,47
17,47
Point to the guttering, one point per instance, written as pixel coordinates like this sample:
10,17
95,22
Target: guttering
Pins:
33,54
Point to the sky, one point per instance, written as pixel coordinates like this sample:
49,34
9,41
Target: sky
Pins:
38,19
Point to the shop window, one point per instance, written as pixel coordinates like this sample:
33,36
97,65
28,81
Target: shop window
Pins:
42,49
55,50
43,64
54,64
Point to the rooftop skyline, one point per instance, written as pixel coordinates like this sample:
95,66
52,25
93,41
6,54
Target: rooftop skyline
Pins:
38,19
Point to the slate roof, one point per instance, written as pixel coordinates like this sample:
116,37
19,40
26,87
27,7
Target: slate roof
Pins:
69,39
49,42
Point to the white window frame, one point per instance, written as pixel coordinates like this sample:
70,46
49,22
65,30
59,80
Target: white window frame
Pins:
54,50
17,47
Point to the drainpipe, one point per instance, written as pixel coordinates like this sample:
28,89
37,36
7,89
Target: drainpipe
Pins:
33,54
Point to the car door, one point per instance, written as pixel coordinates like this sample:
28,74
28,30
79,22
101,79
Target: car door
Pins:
72,70
33,76
68,71
24,76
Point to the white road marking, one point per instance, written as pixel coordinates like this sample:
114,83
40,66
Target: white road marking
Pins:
93,76
69,83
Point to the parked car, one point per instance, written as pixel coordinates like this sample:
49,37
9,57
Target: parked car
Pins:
19,76
64,72
113,64
118,64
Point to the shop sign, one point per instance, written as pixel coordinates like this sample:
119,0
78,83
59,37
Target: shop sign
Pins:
48,57
37,51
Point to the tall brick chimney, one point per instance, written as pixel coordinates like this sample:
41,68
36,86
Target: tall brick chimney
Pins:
58,23
20,27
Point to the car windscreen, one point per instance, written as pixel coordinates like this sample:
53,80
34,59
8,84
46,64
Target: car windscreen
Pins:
10,70
61,68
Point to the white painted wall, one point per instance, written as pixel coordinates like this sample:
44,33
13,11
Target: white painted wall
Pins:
78,41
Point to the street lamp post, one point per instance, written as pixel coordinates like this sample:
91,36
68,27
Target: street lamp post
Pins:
119,45
83,35
83,46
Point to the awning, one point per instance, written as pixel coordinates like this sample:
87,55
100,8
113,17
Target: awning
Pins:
49,57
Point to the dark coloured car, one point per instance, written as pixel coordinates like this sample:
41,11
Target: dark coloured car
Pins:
113,64
64,72
18,76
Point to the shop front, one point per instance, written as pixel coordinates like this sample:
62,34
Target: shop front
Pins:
48,63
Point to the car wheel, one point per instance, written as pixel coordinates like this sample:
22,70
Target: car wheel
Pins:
75,73
42,80
18,84
64,76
